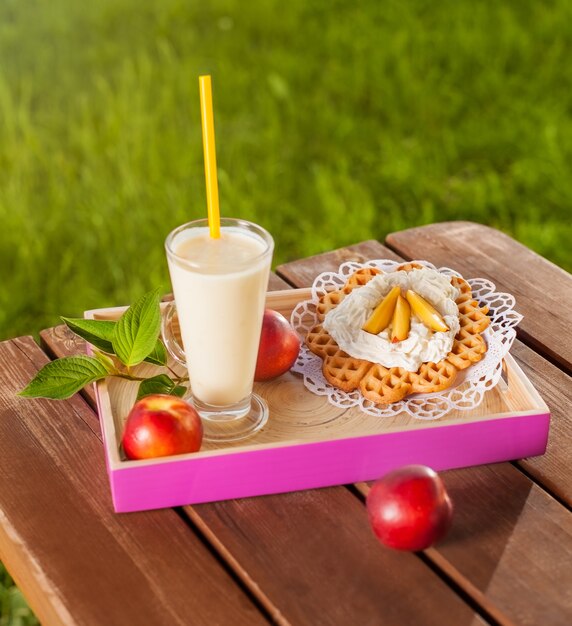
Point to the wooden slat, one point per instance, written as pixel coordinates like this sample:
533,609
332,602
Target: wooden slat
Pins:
304,573
498,528
302,273
510,546
314,558
275,283
543,291
553,469
75,560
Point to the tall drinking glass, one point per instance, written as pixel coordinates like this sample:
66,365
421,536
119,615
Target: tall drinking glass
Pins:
220,289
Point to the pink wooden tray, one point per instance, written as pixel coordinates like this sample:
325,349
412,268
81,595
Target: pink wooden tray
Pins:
309,443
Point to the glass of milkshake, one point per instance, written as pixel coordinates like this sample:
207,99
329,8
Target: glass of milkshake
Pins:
220,290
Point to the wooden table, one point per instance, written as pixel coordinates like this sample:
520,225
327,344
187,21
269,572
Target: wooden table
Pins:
306,557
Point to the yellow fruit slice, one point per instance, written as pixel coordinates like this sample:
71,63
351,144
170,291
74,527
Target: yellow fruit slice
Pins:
380,318
401,320
426,312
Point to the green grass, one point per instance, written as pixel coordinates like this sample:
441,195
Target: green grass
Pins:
335,122
13,608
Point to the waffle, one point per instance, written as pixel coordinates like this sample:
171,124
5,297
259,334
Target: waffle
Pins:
383,385
468,348
407,267
340,369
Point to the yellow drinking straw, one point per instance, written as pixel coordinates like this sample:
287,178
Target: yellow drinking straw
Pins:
209,150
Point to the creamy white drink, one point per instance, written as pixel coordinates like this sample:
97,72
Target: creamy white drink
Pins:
220,288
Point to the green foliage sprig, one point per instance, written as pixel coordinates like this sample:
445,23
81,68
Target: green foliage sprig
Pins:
117,347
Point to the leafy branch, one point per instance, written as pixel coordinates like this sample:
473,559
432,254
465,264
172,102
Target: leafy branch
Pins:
118,347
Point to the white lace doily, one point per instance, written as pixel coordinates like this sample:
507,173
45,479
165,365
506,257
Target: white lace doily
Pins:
470,385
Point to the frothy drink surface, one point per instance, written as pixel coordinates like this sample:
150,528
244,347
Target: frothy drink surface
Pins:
214,254
220,294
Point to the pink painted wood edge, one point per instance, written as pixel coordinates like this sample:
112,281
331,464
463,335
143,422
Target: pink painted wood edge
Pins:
325,463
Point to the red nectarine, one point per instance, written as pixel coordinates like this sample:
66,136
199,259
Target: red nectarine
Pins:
279,346
409,508
161,425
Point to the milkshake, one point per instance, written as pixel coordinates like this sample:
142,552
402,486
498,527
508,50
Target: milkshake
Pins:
220,288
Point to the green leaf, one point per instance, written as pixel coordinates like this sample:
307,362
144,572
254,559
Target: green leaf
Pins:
160,384
179,391
98,333
137,330
62,378
159,354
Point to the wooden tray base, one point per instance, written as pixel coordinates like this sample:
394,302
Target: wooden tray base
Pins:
310,443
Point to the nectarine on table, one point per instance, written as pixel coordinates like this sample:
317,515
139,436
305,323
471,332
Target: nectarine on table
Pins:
409,508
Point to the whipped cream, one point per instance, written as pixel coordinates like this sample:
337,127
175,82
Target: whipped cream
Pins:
344,322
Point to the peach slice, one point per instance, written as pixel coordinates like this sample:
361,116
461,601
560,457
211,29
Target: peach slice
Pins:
401,320
380,318
426,312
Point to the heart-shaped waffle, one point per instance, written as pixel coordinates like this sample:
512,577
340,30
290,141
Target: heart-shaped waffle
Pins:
383,385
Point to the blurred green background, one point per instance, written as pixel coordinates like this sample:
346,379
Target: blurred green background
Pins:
335,121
